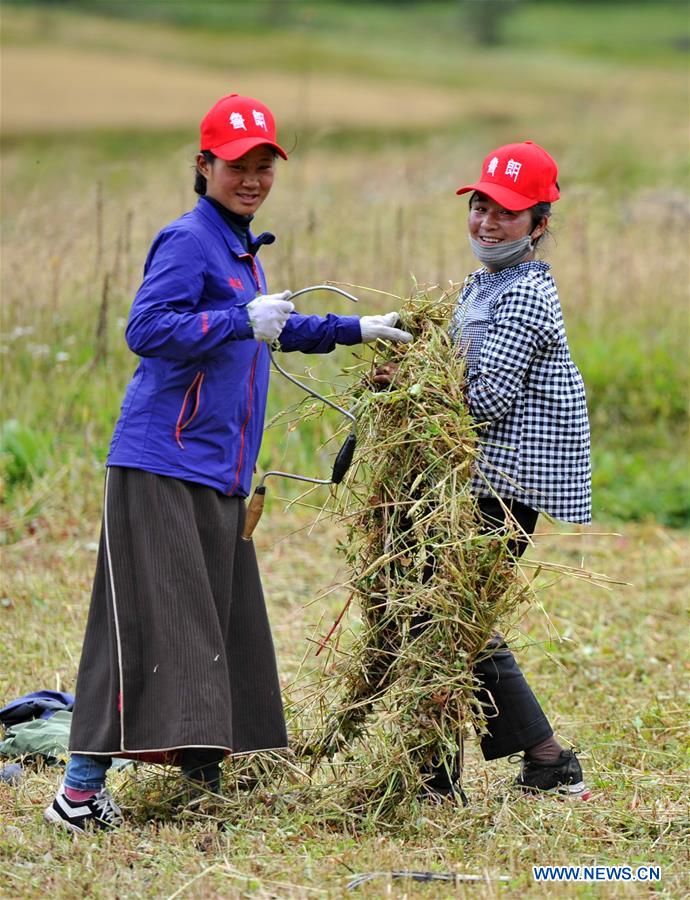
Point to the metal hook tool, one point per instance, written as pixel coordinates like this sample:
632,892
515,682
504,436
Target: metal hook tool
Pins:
345,454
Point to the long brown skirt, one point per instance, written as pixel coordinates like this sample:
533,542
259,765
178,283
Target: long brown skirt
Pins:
178,649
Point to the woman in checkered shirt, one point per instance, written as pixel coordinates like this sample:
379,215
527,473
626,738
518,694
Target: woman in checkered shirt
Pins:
528,396
528,399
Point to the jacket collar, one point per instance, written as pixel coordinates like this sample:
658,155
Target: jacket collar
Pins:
511,272
214,218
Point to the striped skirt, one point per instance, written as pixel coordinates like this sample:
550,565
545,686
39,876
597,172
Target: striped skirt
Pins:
178,650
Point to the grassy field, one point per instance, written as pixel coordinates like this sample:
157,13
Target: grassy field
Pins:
610,667
99,121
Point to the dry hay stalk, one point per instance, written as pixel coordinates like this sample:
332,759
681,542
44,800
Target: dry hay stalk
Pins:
431,586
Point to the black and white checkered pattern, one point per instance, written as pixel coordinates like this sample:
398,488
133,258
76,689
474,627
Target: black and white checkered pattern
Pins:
525,390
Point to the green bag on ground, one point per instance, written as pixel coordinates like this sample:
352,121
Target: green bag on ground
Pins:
44,737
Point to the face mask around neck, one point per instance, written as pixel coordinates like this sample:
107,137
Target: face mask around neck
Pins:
503,255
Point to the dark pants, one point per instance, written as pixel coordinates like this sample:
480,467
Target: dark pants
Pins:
515,720
202,764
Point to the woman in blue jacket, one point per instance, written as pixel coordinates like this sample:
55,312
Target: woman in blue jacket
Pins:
178,663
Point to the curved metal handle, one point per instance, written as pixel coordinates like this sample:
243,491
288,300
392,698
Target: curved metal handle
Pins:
309,390
345,454
299,384
325,287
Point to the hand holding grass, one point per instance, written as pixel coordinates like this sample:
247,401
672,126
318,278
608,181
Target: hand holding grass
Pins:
382,328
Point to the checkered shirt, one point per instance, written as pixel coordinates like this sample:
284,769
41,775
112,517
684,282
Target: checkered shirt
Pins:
525,391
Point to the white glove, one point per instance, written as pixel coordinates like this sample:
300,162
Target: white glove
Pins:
375,327
268,315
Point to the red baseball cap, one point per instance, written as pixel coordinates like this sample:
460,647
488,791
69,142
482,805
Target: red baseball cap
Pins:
517,176
235,124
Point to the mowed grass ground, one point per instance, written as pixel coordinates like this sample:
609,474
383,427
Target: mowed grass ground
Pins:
610,667
367,197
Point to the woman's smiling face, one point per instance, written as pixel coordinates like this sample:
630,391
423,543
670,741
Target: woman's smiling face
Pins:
241,185
490,223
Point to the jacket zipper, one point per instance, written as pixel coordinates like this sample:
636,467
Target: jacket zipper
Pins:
255,271
243,430
182,423
245,423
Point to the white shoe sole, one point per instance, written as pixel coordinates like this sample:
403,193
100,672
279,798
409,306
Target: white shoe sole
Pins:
55,818
578,791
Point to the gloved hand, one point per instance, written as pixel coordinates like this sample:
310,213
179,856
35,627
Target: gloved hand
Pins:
268,314
375,327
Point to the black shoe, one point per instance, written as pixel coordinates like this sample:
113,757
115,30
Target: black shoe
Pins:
442,781
447,794
211,784
564,777
99,812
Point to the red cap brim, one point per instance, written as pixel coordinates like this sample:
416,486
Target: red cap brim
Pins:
507,198
234,149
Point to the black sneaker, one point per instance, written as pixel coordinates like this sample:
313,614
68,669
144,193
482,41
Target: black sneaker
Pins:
98,812
564,777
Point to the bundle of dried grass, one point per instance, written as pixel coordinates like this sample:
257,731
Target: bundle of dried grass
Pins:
432,587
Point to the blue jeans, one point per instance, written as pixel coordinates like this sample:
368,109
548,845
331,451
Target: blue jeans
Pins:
87,773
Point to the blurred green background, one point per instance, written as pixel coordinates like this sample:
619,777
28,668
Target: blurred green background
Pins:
386,108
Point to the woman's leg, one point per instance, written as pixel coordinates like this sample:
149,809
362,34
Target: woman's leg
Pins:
515,720
82,801
87,773
202,765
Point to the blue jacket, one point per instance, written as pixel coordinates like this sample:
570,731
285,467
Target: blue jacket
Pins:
195,406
